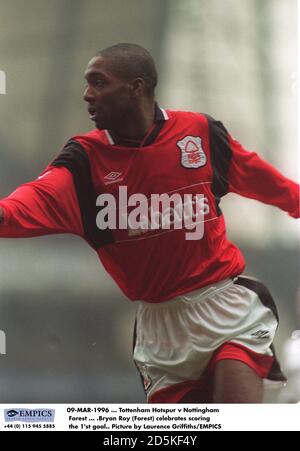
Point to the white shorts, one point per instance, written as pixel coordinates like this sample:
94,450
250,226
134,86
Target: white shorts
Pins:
178,340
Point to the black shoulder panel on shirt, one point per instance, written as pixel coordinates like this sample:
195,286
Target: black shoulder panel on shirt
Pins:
75,159
221,154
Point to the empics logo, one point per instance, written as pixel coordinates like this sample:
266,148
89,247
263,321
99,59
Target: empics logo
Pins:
2,82
29,415
12,413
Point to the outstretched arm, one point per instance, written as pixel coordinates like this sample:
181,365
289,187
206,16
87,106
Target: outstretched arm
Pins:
245,173
252,177
45,206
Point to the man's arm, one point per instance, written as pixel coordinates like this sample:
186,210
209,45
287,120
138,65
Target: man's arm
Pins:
251,176
245,173
45,206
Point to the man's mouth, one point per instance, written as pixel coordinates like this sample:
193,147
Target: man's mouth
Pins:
93,113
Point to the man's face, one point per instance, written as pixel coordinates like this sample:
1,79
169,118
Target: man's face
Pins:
110,99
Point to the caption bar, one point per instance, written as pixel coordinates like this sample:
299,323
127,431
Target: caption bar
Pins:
133,419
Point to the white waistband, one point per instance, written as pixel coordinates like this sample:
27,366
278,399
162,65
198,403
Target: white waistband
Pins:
196,295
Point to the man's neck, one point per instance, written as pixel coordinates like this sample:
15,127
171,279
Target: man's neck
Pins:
138,125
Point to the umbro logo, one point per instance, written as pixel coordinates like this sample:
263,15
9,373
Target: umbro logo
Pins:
113,177
261,334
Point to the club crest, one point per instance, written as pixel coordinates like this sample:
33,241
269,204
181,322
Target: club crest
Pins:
192,153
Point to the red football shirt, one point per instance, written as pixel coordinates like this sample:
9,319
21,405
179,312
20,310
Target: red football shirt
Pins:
185,153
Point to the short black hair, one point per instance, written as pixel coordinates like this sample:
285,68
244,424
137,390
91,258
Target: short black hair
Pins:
131,61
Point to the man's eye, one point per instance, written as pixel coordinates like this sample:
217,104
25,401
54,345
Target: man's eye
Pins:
99,82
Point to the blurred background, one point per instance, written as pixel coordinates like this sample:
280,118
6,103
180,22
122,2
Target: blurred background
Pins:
68,327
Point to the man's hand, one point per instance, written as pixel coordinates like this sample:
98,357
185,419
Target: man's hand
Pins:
1,215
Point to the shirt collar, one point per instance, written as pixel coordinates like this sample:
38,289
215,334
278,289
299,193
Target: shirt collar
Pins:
160,115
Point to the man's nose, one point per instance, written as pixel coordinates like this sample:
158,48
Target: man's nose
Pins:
89,94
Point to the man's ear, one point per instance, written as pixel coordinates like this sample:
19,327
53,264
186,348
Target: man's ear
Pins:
137,86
